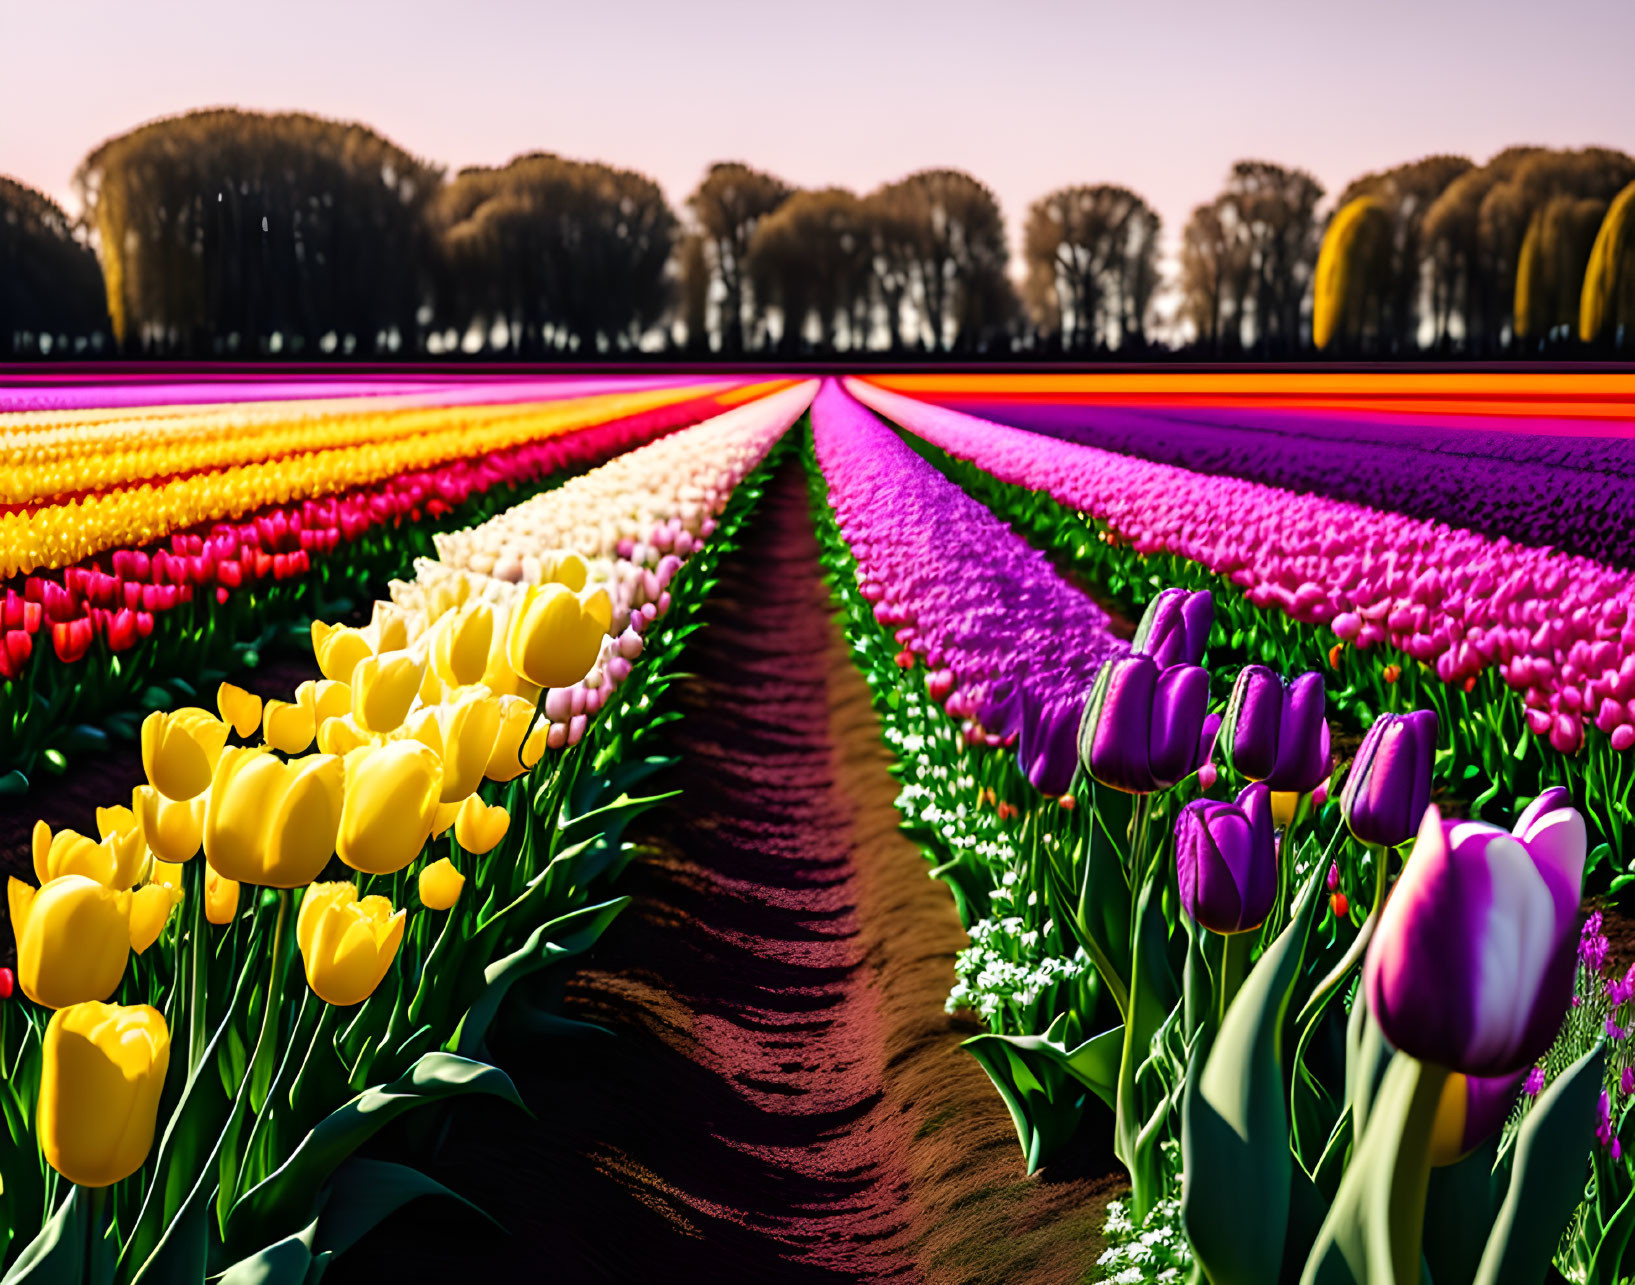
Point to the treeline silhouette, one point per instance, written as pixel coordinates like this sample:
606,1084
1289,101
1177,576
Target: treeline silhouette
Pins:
235,233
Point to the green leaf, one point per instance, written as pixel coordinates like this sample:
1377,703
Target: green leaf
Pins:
1547,1176
1236,1166
364,1193
284,1200
1374,1229
1042,1081
57,1255
565,936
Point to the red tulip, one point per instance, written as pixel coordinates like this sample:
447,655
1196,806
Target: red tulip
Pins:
71,638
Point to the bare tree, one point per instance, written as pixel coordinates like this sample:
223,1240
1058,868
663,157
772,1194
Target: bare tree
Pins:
1092,264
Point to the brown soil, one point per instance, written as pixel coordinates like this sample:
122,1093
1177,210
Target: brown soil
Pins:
782,1097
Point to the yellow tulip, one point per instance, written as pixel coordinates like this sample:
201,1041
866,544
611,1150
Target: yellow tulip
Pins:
102,1072
180,751
346,944
555,635
173,830
166,874
515,715
570,571
440,885
150,908
1284,803
444,817
273,823
220,897
391,801
383,688
115,862
463,735
325,698
480,827
461,642
240,708
73,939
340,736
338,649
389,628
288,727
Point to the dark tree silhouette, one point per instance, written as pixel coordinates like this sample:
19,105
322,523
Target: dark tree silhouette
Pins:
728,205
218,230
50,287
1092,260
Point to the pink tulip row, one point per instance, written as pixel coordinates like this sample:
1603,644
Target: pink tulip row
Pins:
1559,628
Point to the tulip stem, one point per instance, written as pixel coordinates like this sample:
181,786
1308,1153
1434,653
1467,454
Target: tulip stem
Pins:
1236,949
198,959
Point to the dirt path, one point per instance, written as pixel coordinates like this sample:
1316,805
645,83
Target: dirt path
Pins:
783,1098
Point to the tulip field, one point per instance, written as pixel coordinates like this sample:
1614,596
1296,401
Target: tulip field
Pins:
1250,908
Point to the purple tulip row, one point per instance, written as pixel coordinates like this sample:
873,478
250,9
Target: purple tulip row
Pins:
1559,627
1564,488
1010,645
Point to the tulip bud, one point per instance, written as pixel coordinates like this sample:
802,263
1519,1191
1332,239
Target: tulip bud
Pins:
461,643
1141,727
102,1072
444,817
515,715
1048,749
326,699
273,823
440,885
554,636
347,944
391,800
463,736
1174,629
73,939
1389,785
240,708
340,736
150,909
1226,861
479,827
115,862
1471,966
180,751
1276,732
220,897
288,727
338,649
383,688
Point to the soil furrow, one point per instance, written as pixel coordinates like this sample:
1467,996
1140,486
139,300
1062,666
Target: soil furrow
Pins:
782,1097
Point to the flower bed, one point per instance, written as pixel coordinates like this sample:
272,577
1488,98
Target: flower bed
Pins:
209,1117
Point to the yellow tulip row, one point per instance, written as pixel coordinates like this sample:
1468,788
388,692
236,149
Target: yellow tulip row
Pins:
59,535
39,464
412,713
406,735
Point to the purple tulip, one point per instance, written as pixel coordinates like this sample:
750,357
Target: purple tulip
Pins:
1472,964
1275,731
1048,750
1174,629
1389,785
1226,861
1471,1110
1141,727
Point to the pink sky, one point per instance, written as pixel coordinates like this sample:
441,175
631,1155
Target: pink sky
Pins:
1025,94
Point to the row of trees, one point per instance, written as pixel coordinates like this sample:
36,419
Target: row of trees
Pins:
226,231
1445,253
